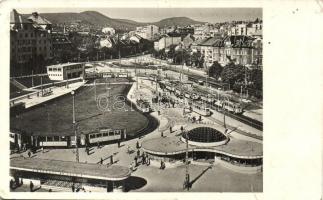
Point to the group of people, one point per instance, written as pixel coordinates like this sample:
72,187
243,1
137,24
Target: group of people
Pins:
78,189
144,159
15,183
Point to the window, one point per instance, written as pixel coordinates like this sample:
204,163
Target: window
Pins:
56,138
59,69
54,69
49,139
49,69
99,135
26,34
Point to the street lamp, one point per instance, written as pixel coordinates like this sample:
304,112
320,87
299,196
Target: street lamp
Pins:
187,175
74,127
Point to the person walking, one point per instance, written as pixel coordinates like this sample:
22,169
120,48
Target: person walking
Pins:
29,154
136,161
111,159
118,143
101,161
73,187
11,184
31,186
128,149
137,145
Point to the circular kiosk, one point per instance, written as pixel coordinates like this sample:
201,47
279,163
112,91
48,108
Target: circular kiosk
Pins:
205,144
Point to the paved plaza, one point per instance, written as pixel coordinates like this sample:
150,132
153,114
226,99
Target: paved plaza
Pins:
214,178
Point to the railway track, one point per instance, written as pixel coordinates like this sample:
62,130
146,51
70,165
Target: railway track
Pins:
241,118
236,129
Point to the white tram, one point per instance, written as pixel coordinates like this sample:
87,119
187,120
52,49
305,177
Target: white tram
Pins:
105,135
232,107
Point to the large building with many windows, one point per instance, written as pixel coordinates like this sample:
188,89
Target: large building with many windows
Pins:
29,37
148,32
240,49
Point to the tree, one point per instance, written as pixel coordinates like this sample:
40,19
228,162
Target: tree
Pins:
232,73
215,70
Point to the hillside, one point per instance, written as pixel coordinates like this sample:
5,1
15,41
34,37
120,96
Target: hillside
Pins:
179,21
90,18
98,19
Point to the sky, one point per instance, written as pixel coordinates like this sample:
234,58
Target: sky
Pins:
211,15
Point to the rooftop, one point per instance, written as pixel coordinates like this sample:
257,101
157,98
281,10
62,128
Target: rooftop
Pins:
68,168
174,145
63,65
16,18
35,17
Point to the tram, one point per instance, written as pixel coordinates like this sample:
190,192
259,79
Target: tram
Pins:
232,107
105,135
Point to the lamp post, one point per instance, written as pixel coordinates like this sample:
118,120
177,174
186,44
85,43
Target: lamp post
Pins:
74,127
187,175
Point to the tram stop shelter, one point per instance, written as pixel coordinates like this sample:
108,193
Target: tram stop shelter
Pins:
64,175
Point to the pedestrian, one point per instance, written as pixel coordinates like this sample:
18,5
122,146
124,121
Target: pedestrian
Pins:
29,154
143,160
136,161
161,165
128,149
73,187
31,186
101,161
118,143
162,134
138,152
111,159
182,129
98,145
11,184
170,129
88,151
137,145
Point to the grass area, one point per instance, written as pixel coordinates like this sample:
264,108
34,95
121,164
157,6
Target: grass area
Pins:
55,117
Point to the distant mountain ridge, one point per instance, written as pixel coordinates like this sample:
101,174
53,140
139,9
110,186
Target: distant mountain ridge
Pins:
96,18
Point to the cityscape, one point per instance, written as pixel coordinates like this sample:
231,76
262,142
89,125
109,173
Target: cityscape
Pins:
102,104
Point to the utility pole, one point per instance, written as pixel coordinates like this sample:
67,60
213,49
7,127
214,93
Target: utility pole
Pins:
94,89
41,86
75,131
32,78
136,77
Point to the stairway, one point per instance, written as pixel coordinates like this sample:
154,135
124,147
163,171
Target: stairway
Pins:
17,84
